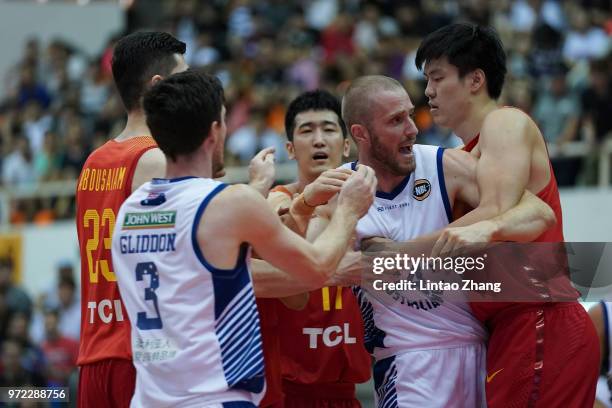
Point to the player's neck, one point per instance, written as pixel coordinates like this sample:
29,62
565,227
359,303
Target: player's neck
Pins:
135,126
470,127
386,180
189,166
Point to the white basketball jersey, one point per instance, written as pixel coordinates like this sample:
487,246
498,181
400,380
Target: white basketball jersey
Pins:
413,320
195,328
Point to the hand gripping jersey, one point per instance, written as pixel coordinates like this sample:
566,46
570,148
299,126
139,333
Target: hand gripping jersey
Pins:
415,321
195,328
105,182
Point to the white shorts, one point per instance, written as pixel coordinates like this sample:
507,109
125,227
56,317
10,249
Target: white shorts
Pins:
442,378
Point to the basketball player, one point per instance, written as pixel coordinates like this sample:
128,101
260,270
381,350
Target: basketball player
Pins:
601,315
428,352
108,177
535,350
181,252
322,350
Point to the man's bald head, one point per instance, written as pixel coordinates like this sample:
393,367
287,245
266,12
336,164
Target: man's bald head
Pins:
357,101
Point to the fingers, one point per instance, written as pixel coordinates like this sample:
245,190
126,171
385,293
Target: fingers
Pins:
336,174
330,182
266,151
265,154
440,242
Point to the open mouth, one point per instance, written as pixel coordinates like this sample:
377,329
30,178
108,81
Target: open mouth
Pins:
320,156
405,149
433,107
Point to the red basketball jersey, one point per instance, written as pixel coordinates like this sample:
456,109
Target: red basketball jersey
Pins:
485,311
323,343
104,183
268,320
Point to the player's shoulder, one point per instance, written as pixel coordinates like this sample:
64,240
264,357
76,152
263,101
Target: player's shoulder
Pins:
508,123
238,195
152,162
102,152
507,118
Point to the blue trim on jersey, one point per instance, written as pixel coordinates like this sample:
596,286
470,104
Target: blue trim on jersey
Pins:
354,165
236,316
196,223
239,336
442,182
372,336
396,191
385,378
238,404
606,351
159,180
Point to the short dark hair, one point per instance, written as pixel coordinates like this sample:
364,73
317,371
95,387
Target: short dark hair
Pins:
468,47
139,56
181,109
317,100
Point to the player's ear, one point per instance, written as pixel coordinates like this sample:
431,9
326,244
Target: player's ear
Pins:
360,133
346,149
477,80
155,79
290,149
213,135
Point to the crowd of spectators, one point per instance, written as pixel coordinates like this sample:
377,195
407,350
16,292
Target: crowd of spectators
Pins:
39,340
61,103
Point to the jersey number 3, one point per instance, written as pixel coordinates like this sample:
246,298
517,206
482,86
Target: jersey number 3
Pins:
144,322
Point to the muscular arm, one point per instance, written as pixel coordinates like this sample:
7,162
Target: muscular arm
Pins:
273,282
279,201
240,215
496,215
522,222
151,164
504,167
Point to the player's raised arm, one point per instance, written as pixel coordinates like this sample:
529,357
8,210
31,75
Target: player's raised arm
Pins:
245,217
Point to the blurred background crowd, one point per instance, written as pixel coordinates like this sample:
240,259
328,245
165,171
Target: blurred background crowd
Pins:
60,103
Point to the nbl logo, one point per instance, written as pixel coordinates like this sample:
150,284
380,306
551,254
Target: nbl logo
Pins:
421,189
